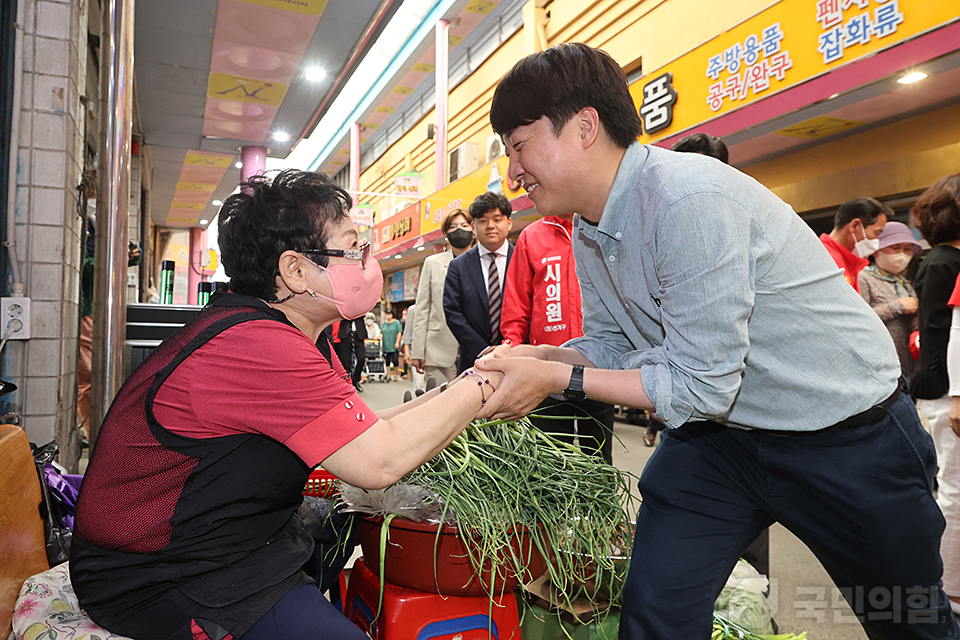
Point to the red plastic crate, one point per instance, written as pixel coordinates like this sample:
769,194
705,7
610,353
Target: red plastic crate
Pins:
321,484
416,615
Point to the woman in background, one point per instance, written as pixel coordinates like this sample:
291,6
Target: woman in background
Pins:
937,216
890,294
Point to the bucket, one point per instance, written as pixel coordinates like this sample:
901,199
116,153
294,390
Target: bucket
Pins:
416,559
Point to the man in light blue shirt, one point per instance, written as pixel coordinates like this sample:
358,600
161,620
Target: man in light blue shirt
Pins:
709,301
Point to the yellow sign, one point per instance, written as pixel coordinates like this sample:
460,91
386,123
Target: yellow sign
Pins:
228,87
188,206
480,6
789,43
202,159
307,7
461,193
819,127
196,186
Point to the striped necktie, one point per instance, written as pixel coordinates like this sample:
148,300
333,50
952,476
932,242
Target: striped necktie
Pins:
494,297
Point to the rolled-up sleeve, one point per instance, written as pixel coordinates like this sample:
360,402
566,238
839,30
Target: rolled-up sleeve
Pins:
707,292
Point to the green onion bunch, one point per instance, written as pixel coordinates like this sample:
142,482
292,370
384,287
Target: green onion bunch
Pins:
500,477
724,629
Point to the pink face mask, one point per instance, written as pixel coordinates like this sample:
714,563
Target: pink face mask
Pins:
356,288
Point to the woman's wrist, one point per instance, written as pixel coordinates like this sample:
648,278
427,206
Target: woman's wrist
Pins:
483,383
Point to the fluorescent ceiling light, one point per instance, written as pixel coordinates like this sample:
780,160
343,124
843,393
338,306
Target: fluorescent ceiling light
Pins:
314,74
397,257
281,136
239,165
912,77
204,221
369,72
217,203
421,248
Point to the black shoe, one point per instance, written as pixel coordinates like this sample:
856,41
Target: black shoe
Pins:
358,387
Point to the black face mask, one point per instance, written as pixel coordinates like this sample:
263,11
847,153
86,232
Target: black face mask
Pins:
460,238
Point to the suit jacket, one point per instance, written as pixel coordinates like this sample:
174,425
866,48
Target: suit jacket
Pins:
431,339
343,330
466,306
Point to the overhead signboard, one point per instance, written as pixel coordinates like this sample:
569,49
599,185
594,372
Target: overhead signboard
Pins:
408,185
462,193
396,229
781,47
230,87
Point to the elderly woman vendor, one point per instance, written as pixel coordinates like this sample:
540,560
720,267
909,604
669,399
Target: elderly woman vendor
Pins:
186,525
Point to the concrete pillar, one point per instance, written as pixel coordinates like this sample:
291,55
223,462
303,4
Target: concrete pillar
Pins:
197,249
440,111
110,269
254,160
355,162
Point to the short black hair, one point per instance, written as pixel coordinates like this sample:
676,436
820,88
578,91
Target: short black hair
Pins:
937,211
866,210
559,82
704,144
490,200
294,211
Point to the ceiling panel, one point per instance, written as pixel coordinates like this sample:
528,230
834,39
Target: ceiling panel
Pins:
260,41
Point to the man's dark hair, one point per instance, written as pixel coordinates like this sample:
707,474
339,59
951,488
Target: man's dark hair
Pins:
490,200
267,217
704,144
937,212
866,210
559,82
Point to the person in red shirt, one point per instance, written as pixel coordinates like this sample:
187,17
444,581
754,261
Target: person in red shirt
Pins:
187,524
855,236
541,305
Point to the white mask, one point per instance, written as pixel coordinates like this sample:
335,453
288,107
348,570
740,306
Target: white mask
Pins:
892,263
866,247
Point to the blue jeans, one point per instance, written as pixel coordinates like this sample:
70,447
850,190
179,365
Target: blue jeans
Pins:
859,497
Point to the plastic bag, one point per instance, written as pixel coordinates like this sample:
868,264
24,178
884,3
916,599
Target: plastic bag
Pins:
742,601
57,506
410,501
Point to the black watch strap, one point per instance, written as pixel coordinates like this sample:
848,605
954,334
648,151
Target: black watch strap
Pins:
574,390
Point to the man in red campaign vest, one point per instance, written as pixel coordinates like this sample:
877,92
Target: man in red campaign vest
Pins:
541,305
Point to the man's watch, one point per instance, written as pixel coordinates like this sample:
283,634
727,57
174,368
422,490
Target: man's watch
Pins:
574,390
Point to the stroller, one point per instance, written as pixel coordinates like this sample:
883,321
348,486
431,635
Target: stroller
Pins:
375,368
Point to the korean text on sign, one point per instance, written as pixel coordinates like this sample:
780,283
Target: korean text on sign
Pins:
859,29
750,65
554,304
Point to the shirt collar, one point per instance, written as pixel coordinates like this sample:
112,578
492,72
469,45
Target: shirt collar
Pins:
502,251
615,211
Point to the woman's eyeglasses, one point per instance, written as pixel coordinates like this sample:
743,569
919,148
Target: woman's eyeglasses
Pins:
360,254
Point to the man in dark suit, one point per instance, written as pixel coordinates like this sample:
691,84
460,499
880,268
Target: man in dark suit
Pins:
473,291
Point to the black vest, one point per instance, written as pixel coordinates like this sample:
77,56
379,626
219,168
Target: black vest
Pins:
171,528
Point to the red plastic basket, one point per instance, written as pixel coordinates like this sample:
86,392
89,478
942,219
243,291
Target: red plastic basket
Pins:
321,484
